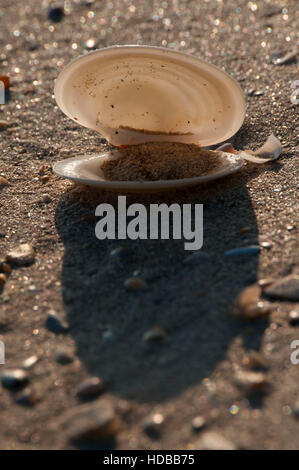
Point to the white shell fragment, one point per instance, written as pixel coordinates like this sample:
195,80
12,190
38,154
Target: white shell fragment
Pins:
269,151
87,170
135,94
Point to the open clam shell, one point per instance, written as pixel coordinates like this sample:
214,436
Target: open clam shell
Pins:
87,170
135,94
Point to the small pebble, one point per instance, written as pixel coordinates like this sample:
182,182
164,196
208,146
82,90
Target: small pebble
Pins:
211,440
26,397
153,424
30,362
44,178
252,383
90,388
56,324
286,288
4,125
250,92
295,410
64,356
93,421
121,253
3,181
157,333
254,360
134,284
56,14
90,43
45,198
294,318
2,279
6,268
14,378
108,336
266,245
249,305
244,251
265,282
245,229
21,256
198,423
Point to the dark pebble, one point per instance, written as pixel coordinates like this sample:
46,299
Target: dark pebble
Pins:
90,388
14,378
56,324
244,251
121,253
152,425
286,288
90,422
294,318
26,397
64,356
295,410
56,14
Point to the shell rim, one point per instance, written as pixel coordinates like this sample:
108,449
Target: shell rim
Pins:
235,164
185,55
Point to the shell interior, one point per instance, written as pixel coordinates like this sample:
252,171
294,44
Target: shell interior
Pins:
134,94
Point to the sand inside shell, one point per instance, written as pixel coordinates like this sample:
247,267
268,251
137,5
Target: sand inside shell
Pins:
160,161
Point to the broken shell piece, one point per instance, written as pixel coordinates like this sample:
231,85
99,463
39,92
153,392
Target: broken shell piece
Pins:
268,152
228,147
287,58
135,94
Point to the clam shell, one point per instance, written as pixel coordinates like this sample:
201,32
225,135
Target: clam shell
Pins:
135,94
87,170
